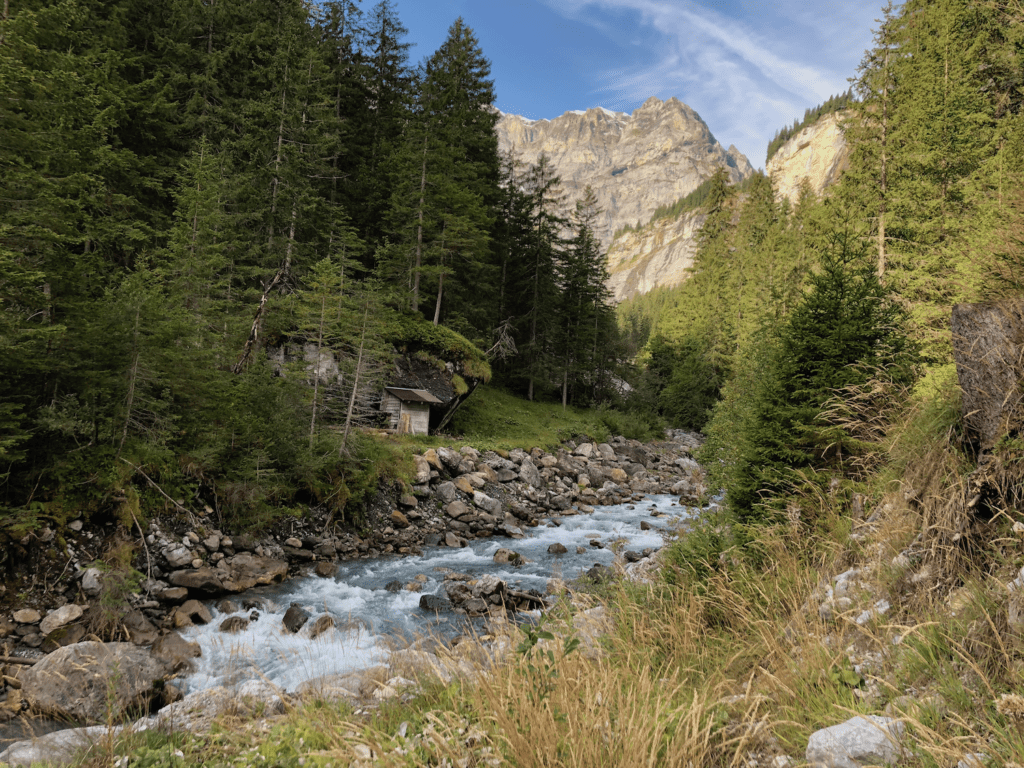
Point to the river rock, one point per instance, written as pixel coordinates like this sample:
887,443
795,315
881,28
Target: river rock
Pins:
422,470
92,581
177,555
862,740
172,595
27,616
453,540
234,624
325,570
475,606
447,492
92,681
557,549
320,626
529,473
486,503
232,575
141,630
57,748
295,618
435,603
176,651
191,612
507,556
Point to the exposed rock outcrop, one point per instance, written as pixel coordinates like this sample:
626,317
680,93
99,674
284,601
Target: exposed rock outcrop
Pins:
91,681
634,163
657,255
818,155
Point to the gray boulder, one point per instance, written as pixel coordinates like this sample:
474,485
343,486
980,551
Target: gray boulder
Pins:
58,748
486,503
529,473
447,492
295,618
91,681
871,740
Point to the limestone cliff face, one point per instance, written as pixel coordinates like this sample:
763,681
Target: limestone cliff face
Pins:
818,153
657,255
634,163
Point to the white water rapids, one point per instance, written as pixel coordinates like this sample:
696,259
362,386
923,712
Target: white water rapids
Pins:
369,618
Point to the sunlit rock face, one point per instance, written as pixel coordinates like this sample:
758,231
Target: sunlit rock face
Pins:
818,155
659,254
634,163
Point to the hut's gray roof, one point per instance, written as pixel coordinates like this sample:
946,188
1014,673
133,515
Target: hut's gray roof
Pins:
413,395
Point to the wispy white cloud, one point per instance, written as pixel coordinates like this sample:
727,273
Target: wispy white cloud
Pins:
747,76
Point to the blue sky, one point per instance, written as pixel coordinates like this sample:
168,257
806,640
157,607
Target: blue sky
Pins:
747,67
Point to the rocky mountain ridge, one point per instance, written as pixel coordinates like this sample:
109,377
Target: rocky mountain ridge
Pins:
634,163
661,252
818,155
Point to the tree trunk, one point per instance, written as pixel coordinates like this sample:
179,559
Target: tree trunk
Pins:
316,368
355,383
440,291
419,233
132,377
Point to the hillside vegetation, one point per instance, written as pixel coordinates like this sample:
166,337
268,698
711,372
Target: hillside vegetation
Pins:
221,222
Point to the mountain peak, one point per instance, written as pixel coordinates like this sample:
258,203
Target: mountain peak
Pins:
634,163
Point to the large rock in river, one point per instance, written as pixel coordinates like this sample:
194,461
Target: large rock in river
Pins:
241,572
91,682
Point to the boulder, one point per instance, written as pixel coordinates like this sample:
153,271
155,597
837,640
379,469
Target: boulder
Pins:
92,581
450,459
295,618
320,626
447,492
191,612
862,740
239,573
422,470
487,473
557,549
177,555
234,624
463,484
57,748
508,557
92,681
435,603
176,651
398,520
988,346
453,540
457,510
433,460
27,616
325,570
486,503
172,595
529,473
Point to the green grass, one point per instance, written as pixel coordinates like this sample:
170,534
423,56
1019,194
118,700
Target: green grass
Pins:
494,419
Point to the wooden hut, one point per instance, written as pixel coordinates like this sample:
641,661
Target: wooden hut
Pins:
408,410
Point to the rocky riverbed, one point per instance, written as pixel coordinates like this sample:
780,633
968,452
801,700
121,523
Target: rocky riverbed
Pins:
482,531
